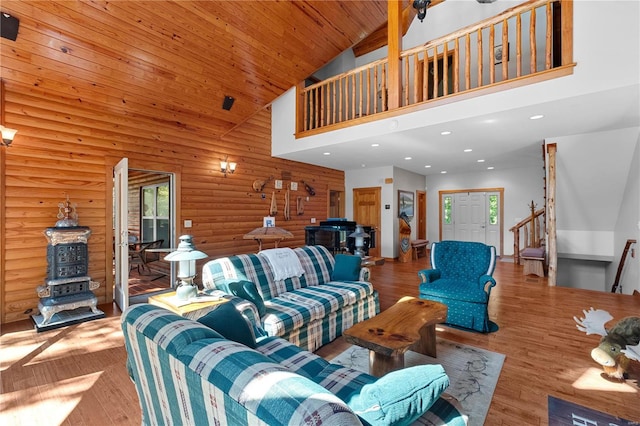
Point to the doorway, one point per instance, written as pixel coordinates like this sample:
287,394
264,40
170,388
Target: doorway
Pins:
366,211
472,215
144,231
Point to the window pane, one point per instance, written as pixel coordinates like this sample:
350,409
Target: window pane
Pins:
148,201
147,230
163,201
493,209
162,231
447,210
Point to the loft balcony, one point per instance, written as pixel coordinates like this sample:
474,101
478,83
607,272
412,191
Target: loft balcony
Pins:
526,44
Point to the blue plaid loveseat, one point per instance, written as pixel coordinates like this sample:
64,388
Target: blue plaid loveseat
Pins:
185,373
461,278
310,310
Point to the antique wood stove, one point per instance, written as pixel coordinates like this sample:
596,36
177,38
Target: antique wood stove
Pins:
67,297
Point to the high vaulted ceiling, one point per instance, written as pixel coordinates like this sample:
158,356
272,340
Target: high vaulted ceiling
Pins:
171,60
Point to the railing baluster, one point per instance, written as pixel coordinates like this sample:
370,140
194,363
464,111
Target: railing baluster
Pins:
445,69
369,91
405,81
480,58
492,54
518,45
456,66
435,73
467,61
532,41
505,50
384,88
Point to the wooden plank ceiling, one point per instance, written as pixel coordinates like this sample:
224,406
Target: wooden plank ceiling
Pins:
166,61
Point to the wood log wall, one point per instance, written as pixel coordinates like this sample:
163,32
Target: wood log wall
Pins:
66,147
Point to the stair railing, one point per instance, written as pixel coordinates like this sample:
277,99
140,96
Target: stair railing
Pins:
532,229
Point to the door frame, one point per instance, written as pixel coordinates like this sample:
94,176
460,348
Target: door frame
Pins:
455,191
421,201
140,164
377,251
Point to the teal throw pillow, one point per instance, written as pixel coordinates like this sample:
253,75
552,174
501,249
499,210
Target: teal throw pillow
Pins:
346,268
248,291
400,397
231,324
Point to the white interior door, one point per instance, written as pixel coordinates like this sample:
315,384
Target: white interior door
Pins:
121,186
470,216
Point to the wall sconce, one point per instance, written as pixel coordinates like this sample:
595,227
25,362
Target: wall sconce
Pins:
186,256
227,167
7,135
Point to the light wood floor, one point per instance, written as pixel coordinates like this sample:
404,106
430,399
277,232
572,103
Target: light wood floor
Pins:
77,376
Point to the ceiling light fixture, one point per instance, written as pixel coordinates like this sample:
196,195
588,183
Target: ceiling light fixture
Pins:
445,133
326,153
468,150
421,6
375,145
407,158
443,172
490,168
481,161
427,166
536,117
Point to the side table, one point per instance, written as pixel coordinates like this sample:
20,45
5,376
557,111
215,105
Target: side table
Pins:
188,309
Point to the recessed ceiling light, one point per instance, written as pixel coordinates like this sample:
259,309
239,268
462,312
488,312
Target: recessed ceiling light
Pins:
490,168
407,158
375,144
490,120
536,117
326,153
363,165
468,150
480,161
445,133
443,172
427,166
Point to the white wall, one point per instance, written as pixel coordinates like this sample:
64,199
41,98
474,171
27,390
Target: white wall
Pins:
521,186
628,228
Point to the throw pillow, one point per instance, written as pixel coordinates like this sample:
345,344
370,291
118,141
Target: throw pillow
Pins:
226,320
400,397
248,291
346,268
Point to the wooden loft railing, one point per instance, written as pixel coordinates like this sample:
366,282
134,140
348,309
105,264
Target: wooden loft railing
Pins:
529,232
525,44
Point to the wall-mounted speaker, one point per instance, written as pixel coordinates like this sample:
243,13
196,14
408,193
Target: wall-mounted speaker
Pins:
9,26
228,102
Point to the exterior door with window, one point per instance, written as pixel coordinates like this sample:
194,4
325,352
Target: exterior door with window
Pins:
472,216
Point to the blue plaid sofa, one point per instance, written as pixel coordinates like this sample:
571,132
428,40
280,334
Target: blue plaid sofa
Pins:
185,373
310,310
461,278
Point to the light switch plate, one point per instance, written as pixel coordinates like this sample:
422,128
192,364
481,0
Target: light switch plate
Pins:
294,186
188,223
278,184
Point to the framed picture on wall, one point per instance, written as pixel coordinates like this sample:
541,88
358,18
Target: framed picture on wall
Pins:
405,203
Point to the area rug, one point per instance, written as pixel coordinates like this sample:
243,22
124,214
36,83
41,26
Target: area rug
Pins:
473,372
567,413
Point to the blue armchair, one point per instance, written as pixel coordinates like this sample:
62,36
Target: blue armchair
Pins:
461,278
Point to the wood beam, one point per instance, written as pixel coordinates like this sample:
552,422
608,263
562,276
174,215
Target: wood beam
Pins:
394,49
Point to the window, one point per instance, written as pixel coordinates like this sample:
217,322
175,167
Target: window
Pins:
155,213
493,210
447,209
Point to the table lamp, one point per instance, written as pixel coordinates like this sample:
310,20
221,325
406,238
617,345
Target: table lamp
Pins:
359,235
186,256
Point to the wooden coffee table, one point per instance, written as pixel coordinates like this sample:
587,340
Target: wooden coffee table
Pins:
410,324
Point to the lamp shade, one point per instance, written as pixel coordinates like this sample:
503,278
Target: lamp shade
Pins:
185,251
